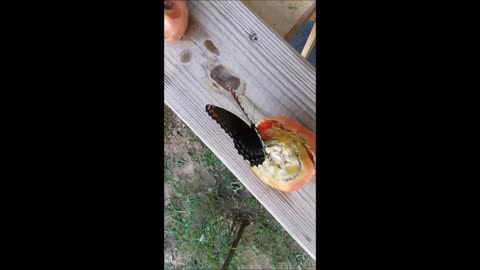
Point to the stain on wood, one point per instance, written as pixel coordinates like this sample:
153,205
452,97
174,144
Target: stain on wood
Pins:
211,47
185,56
224,78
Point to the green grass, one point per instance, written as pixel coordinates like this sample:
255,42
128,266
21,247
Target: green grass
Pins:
207,236
168,166
209,159
199,228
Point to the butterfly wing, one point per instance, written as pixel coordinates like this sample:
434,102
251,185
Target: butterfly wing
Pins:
246,139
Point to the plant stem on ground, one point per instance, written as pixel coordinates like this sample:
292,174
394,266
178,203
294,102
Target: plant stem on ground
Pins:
235,244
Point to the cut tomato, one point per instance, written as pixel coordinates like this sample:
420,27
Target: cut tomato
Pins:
175,17
291,150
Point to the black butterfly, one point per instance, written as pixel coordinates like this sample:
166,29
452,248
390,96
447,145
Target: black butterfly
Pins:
246,138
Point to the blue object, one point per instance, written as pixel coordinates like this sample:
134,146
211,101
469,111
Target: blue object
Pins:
299,40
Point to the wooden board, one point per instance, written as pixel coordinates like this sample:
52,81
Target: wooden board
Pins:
285,17
273,80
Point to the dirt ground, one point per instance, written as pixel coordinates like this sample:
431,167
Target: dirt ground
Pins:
182,146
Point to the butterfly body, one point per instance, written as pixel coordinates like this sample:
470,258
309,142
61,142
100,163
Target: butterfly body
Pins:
246,138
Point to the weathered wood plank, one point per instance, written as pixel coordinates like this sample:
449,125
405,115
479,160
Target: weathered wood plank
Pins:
274,79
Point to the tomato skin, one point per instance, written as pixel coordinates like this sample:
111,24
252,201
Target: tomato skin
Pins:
307,154
175,19
261,126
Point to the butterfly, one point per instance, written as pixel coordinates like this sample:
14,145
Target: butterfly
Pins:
246,138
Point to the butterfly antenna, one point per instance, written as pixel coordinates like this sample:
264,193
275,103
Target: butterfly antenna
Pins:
240,105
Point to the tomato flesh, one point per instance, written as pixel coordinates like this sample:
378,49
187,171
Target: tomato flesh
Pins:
291,137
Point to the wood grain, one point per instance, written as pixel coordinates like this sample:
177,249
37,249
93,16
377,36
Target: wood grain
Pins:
274,80
282,16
